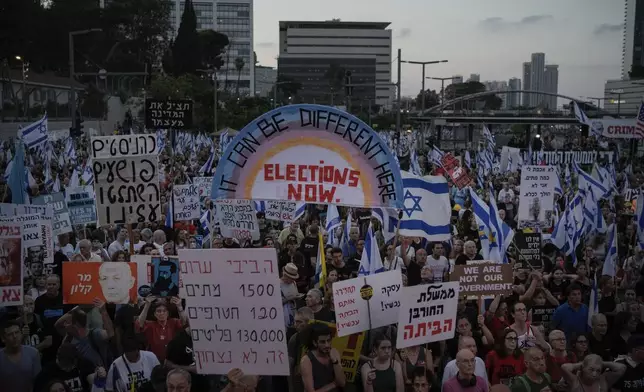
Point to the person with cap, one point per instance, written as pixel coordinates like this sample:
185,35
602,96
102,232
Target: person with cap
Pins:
69,367
290,294
633,378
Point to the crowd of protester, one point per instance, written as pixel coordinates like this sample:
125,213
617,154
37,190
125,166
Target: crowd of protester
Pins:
502,343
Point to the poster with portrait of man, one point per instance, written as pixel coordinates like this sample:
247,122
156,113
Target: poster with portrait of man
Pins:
165,276
11,271
114,283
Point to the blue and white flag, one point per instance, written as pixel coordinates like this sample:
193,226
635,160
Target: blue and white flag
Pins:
224,139
481,213
333,221
88,174
468,159
435,156
586,183
56,187
558,187
610,264
260,206
17,175
593,305
502,234
427,210
388,221
370,262
639,220
414,164
300,210
344,241
35,134
209,163
169,217
563,233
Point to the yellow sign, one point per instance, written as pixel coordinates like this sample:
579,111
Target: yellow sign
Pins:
349,348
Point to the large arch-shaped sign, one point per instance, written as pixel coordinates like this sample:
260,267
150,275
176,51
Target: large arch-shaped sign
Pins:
311,153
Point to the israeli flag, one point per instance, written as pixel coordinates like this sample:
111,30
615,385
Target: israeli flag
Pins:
610,264
260,206
35,134
639,216
300,210
586,183
223,141
169,217
415,166
333,220
88,174
481,213
502,234
468,159
593,305
370,262
435,156
208,165
344,241
563,233
56,187
427,210
388,220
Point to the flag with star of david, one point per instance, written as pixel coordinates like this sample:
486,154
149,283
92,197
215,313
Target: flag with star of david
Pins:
35,134
427,210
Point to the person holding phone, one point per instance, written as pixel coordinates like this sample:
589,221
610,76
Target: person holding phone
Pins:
382,373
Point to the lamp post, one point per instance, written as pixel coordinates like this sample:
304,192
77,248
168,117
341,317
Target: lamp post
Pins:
72,74
424,64
442,87
24,96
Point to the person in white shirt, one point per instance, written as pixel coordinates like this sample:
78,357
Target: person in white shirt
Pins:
136,235
119,243
506,195
158,240
411,252
132,369
65,247
438,263
392,262
465,343
85,250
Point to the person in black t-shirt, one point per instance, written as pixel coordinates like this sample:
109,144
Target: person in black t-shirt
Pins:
337,262
179,355
32,327
469,254
49,307
309,245
633,378
75,373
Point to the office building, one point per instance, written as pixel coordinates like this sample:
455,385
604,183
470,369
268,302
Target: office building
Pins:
525,98
513,100
457,79
623,97
633,39
234,18
265,78
474,78
309,49
551,85
537,66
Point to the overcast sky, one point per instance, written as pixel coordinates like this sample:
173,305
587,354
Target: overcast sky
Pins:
489,37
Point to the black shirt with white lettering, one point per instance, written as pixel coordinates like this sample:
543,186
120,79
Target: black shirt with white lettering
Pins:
633,378
179,351
75,379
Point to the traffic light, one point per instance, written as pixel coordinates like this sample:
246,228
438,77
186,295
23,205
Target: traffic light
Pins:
25,70
348,89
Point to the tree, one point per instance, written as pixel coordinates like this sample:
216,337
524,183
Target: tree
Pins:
239,65
212,46
287,86
453,91
186,50
431,99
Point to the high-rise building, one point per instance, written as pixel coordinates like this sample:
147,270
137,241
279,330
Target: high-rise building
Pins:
551,85
633,40
265,78
537,66
309,50
234,18
527,71
457,79
513,100
474,78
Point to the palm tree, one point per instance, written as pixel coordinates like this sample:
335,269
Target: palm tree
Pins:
239,65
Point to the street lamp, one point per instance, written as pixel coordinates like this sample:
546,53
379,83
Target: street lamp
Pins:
423,63
72,74
442,86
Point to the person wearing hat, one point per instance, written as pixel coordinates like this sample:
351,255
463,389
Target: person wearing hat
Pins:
70,368
633,378
288,287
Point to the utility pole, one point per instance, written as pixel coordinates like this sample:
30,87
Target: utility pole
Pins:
72,74
398,85
424,64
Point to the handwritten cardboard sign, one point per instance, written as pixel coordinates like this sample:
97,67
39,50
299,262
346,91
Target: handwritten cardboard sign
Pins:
62,223
367,302
529,245
483,279
428,314
238,219
234,304
186,202
11,270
